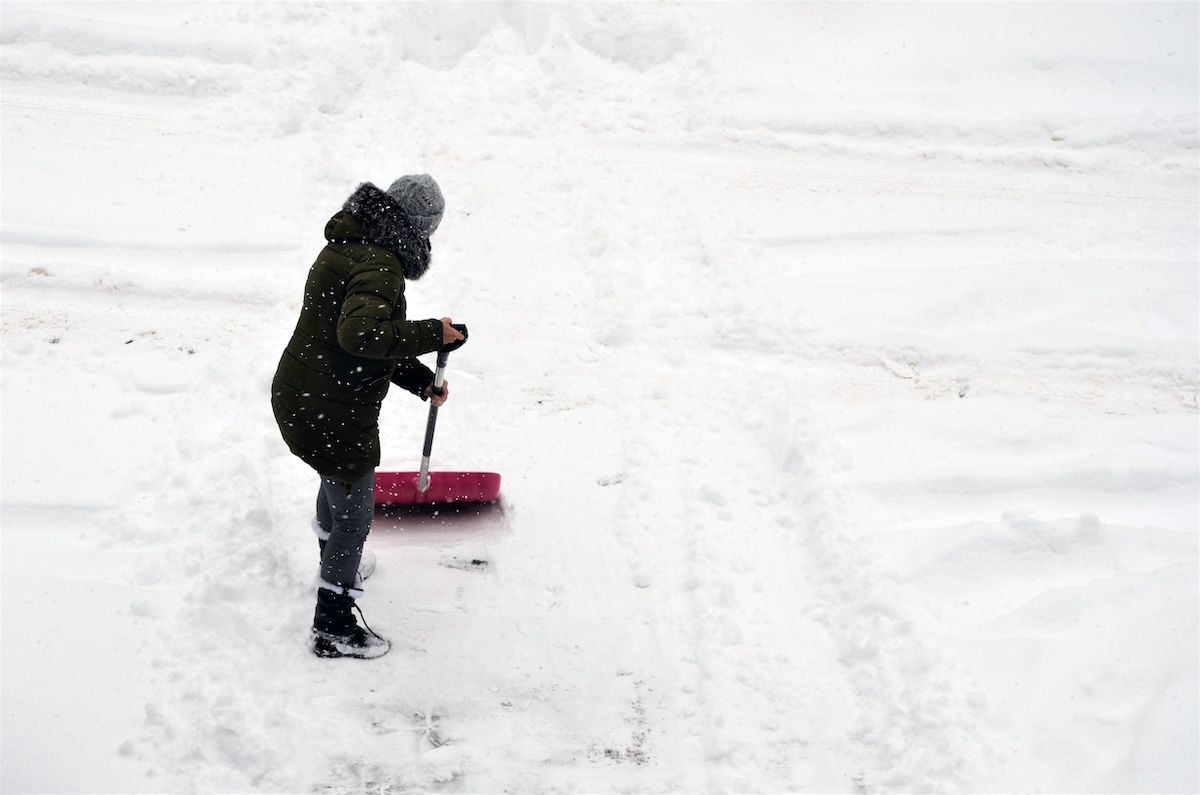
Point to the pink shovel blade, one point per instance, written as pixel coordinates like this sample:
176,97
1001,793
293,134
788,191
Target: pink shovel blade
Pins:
400,488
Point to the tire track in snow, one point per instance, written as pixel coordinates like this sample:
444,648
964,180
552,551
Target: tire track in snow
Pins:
761,585
917,714
772,168
726,580
750,694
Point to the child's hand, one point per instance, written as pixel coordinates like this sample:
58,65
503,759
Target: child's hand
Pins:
449,333
438,399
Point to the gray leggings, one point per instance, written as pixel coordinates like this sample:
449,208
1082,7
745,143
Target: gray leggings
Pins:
345,514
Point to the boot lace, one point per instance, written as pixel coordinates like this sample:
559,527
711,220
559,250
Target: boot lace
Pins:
364,621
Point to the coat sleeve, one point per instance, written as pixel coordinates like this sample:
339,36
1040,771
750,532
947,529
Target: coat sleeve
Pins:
372,324
413,376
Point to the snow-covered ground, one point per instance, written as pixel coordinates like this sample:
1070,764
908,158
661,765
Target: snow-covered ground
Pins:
840,362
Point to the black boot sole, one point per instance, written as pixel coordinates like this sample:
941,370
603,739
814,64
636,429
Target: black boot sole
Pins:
331,646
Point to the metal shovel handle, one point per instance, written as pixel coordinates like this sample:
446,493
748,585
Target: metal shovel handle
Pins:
439,378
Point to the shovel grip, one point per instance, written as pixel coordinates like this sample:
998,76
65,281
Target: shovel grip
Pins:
444,351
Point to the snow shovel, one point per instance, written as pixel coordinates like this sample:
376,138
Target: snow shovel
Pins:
435,488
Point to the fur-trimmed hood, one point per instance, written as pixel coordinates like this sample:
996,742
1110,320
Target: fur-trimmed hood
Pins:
387,226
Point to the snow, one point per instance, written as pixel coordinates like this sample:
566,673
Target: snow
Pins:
840,361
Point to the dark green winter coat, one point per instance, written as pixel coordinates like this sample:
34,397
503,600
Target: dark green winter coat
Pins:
352,339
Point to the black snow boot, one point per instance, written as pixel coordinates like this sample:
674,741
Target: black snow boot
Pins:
335,633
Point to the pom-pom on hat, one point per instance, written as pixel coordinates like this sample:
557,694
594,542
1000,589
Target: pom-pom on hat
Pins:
421,199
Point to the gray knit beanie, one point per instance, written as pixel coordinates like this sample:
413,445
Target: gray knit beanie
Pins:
421,199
